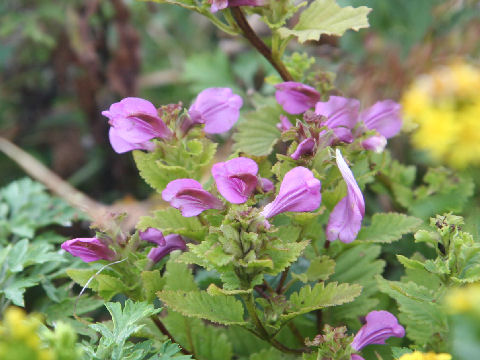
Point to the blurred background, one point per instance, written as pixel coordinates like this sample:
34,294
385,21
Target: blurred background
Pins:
62,63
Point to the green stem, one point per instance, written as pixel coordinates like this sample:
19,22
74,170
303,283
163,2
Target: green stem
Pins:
220,24
252,312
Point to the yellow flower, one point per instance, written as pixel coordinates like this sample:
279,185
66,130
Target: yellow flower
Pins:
20,340
417,355
466,299
444,109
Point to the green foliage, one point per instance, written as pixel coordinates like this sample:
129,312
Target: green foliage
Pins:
169,351
321,267
206,342
26,207
184,159
388,227
106,284
219,308
126,322
420,311
170,220
257,133
326,17
321,296
358,264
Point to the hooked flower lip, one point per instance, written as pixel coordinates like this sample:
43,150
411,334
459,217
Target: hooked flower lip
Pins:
379,326
189,197
165,244
296,98
299,192
89,249
217,108
236,179
346,218
134,121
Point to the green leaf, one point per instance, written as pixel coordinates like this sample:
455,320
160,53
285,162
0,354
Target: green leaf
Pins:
206,342
388,227
28,207
151,283
177,271
169,351
154,172
284,254
320,268
170,220
106,285
420,311
326,17
257,133
357,264
220,309
15,289
321,296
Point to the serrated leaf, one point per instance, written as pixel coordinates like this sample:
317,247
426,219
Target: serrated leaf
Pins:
205,341
358,264
326,17
420,310
321,296
388,227
156,174
170,220
151,283
169,351
320,268
220,309
283,255
178,277
257,133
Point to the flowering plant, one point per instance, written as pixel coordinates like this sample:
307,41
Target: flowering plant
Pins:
271,231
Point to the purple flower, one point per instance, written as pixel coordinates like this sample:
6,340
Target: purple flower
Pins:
296,98
165,244
223,4
188,196
379,326
153,235
346,218
375,143
299,191
88,249
266,184
217,108
236,179
356,357
341,114
134,122
383,116
305,147
284,123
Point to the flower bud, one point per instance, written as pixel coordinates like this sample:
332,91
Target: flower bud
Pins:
89,249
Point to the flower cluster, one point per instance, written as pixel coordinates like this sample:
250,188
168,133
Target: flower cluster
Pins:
445,107
134,122
342,116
